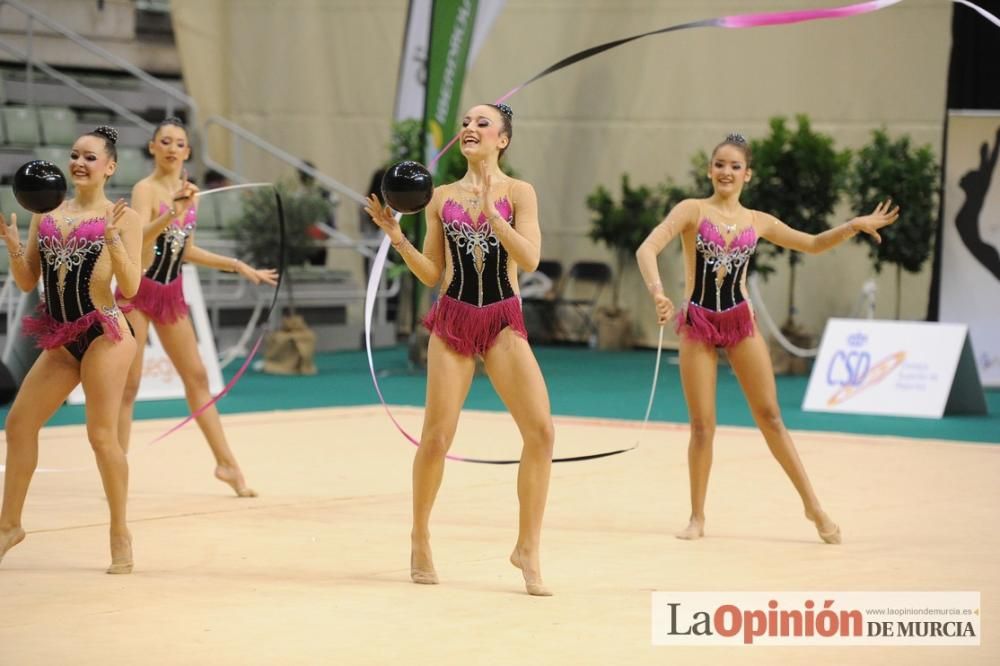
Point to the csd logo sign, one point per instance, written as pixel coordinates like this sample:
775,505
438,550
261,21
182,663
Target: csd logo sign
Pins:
848,368
851,370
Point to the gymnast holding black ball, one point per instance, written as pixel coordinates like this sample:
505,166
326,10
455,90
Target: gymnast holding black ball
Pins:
74,249
480,230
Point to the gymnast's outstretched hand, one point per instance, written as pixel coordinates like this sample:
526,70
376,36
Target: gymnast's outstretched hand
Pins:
257,275
882,216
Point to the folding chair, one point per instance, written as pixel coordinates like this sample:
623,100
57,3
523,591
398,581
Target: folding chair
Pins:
576,305
539,311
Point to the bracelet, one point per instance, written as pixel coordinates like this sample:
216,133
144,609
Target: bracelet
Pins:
400,244
236,266
114,241
16,254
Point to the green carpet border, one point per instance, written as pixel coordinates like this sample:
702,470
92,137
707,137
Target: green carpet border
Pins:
582,382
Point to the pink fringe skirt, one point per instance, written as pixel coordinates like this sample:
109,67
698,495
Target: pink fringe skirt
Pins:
50,333
471,330
162,303
718,329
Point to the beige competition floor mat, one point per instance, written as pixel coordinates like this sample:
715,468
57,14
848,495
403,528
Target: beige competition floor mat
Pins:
315,570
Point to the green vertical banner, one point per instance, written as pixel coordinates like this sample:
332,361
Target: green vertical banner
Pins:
452,23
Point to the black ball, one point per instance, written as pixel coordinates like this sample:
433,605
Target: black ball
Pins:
407,187
39,186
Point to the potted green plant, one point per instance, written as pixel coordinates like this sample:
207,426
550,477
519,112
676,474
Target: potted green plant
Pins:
798,176
257,234
622,226
886,168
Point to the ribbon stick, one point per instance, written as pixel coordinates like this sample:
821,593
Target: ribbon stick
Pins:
227,188
656,377
265,319
737,21
378,266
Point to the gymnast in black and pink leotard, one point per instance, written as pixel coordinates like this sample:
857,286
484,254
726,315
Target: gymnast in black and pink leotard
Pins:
68,317
479,301
718,311
75,251
718,237
161,292
168,210
480,230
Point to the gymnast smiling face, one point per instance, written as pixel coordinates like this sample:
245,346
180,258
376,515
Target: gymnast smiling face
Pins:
484,133
729,170
90,163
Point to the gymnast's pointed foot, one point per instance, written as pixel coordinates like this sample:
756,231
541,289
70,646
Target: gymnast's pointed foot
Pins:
121,554
528,563
828,530
9,537
234,477
421,563
694,530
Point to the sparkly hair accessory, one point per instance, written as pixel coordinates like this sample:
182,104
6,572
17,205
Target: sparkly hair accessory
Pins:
507,112
109,133
737,138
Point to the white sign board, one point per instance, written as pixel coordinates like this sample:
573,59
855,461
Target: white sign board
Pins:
160,380
898,368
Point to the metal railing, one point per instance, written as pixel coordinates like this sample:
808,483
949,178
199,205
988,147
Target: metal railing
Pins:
77,86
173,95
242,134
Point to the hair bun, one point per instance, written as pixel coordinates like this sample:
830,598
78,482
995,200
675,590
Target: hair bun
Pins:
507,112
109,133
737,138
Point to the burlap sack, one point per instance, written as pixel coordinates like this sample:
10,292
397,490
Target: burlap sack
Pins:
292,349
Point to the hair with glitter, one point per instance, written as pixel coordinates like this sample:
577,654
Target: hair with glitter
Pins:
507,115
739,141
110,137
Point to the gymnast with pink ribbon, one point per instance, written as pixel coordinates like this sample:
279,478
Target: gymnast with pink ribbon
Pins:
480,230
718,237
167,209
